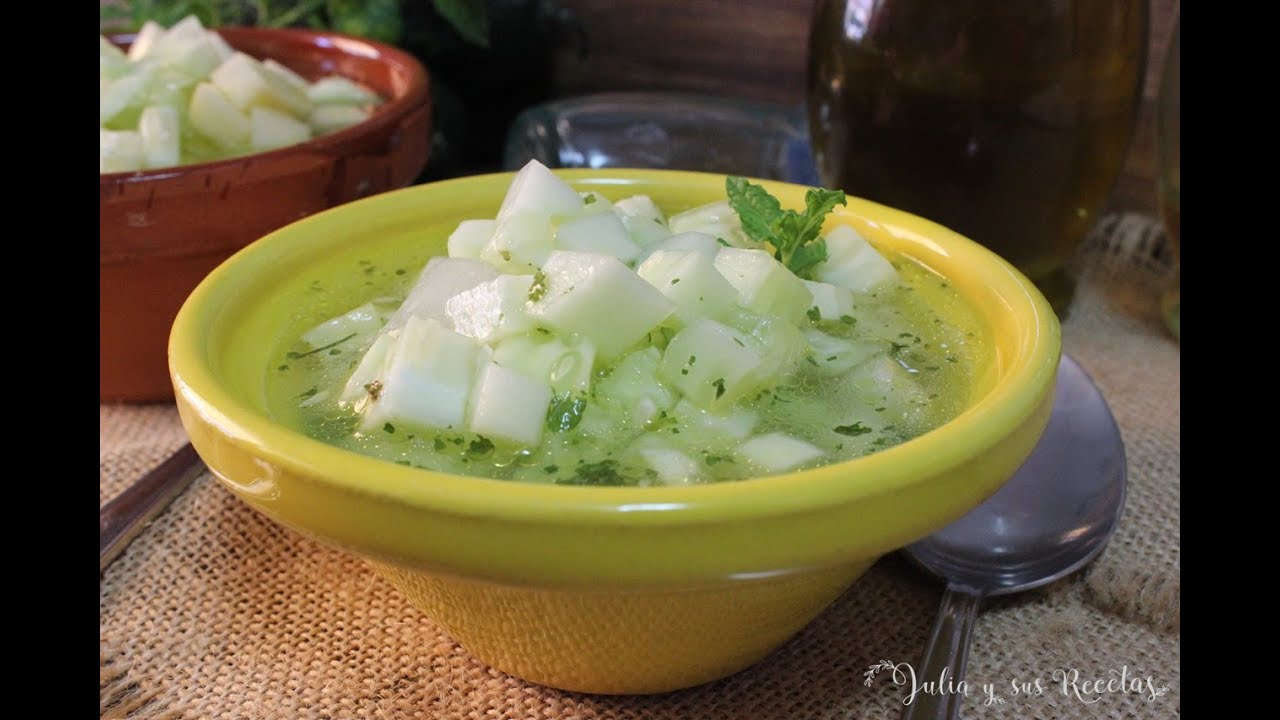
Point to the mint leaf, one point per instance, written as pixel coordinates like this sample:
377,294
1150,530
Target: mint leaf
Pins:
795,237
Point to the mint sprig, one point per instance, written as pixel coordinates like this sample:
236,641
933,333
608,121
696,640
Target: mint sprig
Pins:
794,237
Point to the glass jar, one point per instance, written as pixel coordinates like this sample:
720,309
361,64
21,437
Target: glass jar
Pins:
1007,121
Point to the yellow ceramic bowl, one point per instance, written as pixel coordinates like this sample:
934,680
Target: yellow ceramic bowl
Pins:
609,590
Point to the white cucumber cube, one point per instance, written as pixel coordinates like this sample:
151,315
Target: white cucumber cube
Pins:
776,452
148,34
426,379
536,189
506,405
882,381
764,285
521,242
640,206
470,237
246,84
833,301
712,364
221,46
594,203
736,424
492,310
181,35
284,72
270,129
119,94
690,280
338,90
716,219
644,231
360,389
598,232
600,297
213,115
852,262
566,364
673,466
119,151
192,57
112,62
441,279
701,242
779,343
634,386
355,327
834,355
161,136
332,118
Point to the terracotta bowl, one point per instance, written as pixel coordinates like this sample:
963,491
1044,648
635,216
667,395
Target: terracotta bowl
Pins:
161,231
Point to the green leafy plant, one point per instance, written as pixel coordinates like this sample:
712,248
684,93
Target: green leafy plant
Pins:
795,237
375,19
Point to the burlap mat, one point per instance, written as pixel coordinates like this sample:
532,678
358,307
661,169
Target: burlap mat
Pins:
217,613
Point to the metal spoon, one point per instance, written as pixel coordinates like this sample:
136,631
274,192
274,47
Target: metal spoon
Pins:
1052,518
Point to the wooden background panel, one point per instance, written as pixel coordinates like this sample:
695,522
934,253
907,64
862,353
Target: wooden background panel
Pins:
756,49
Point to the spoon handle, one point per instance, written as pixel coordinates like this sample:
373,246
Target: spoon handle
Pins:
945,658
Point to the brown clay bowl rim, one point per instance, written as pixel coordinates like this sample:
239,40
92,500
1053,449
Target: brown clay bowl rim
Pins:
386,115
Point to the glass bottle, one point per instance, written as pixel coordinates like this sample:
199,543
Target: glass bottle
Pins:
1007,121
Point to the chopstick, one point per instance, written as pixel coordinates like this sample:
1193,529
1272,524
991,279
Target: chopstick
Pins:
127,515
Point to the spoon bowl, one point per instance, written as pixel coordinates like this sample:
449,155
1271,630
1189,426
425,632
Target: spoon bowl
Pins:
1052,518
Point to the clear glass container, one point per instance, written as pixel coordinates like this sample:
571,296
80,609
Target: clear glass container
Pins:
665,130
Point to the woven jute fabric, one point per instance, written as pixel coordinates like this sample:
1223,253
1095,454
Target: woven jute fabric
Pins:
216,612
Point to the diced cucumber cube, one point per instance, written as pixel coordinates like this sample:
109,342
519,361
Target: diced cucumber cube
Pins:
161,136
600,297
640,206
834,355
672,466
338,90
147,36
332,118
119,151
247,85
833,301
470,237
634,386
779,343
564,363
852,262
883,382
492,310
285,73
716,219
426,379
359,390
736,424
121,93
536,189
521,242
441,279
598,232
712,364
194,57
220,45
506,405
776,452
358,324
690,280
270,129
213,115
700,242
764,285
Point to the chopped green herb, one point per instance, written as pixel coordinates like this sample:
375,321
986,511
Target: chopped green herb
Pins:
505,254
814,313
740,343
438,444
693,359
565,412
588,199
374,389
719,383
715,459
389,429
538,289
551,469
295,355
308,393
723,242
830,358
848,320
853,430
604,472
675,280
480,447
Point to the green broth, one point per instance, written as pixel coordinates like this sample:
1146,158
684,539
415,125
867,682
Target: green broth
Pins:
920,327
